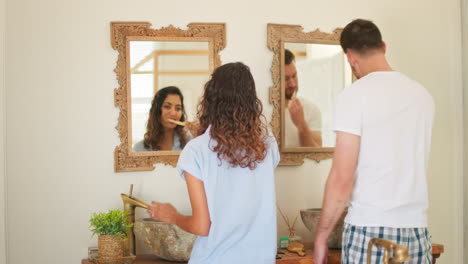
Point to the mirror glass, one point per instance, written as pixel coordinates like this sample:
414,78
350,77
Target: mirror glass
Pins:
158,64
148,61
316,77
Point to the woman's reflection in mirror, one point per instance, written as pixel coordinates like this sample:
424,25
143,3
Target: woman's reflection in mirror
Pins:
303,120
161,132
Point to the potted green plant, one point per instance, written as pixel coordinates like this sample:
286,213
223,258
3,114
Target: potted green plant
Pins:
112,228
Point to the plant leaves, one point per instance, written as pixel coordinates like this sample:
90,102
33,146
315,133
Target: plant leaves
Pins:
114,222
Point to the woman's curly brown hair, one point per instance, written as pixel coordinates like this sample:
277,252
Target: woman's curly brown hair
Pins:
154,129
230,105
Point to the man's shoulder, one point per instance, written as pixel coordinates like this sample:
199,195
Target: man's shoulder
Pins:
352,91
307,103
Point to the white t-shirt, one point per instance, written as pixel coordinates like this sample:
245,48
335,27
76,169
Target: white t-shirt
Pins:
313,120
393,115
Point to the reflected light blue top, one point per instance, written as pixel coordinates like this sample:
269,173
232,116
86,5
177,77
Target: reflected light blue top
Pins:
140,147
241,203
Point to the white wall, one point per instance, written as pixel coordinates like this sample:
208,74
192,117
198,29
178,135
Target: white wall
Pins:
3,235
464,19
61,118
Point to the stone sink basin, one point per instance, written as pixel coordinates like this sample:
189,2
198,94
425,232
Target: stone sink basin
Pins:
164,240
310,218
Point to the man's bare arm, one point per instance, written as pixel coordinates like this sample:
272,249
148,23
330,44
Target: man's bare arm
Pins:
337,189
309,138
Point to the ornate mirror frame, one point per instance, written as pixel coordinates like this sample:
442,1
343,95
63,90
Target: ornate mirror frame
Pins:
121,33
278,34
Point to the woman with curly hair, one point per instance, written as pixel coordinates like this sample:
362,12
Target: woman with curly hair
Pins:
161,133
229,171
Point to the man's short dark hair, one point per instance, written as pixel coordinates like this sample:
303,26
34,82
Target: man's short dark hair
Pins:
361,36
288,57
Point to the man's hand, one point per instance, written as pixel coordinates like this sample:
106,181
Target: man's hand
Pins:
296,112
320,252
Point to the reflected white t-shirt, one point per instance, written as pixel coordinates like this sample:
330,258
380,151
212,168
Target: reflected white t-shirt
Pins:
241,203
313,119
393,115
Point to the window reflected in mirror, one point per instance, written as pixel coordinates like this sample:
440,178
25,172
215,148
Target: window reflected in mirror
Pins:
155,65
313,78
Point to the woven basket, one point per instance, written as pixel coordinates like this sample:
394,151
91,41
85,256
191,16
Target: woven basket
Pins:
110,246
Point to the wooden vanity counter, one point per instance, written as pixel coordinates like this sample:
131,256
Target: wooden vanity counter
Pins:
334,257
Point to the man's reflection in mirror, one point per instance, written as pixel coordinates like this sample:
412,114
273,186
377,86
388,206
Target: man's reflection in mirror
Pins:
303,121
165,129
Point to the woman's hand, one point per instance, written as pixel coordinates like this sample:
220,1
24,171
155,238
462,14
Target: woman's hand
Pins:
163,212
192,127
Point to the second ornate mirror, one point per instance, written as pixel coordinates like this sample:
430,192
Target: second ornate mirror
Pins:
309,70
150,60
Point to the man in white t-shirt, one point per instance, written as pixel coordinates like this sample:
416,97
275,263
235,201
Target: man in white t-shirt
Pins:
303,121
383,127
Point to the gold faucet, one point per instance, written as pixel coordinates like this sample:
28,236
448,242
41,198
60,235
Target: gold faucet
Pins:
130,203
400,252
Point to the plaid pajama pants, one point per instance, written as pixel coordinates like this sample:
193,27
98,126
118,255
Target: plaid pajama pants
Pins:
356,240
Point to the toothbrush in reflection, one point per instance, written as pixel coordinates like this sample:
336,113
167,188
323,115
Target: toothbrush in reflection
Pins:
176,122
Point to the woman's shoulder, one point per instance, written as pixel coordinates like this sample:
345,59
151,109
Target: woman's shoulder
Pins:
269,138
272,148
197,142
139,147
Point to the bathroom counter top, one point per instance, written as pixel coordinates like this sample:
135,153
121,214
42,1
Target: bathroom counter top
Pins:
334,257
140,259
